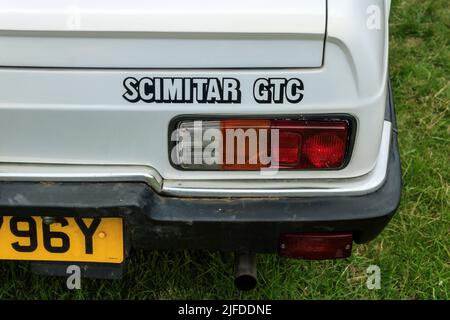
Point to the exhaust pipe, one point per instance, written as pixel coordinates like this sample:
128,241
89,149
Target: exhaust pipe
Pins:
245,270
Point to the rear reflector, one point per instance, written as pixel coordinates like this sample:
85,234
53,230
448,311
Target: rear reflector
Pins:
253,144
316,246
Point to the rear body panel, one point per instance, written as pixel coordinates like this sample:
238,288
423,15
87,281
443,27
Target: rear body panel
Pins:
80,117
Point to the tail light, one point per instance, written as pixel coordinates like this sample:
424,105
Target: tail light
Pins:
253,144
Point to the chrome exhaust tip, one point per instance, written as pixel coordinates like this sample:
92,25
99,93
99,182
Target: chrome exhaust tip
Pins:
245,271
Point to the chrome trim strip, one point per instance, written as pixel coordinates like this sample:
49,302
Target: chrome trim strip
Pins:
81,173
201,188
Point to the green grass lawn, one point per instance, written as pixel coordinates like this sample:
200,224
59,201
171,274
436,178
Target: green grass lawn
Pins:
412,252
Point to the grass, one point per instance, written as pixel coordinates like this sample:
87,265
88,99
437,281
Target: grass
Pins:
412,252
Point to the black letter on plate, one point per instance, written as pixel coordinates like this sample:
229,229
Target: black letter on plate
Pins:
88,232
30,233
49,235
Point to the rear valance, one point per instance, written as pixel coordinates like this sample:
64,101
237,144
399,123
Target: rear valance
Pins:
163,34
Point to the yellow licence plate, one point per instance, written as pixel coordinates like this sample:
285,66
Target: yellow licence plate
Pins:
66,239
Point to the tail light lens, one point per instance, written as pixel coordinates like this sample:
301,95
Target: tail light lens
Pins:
316,246
253,144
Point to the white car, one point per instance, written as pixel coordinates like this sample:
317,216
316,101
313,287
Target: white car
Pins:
250,126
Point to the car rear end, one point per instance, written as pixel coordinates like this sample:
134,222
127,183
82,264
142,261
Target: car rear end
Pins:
253,127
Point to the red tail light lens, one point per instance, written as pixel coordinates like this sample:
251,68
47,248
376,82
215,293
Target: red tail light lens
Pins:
325,150
316,246
289,148
252,131
253,144
321,144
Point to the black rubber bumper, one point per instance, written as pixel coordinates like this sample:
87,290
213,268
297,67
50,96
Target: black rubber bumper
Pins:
157,222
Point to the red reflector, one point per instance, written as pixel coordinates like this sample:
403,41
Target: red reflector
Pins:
316,246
